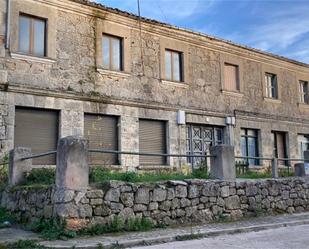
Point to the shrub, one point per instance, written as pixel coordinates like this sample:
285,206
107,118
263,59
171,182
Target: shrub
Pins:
45,176
5,216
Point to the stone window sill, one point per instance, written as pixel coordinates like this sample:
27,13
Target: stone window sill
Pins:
113,73
32,58
270,100
175,83
231,93
303,106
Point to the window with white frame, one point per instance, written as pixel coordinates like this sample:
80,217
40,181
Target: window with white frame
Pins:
271,85
304,92
112,52
173,65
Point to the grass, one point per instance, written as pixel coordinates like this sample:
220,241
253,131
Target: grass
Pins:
254,175
52,229
118,225
55,229
99,175
22,244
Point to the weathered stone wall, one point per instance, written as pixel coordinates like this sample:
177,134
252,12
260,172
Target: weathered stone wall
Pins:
163,202
72,83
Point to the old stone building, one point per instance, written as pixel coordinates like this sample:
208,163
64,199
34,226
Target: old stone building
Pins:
73,67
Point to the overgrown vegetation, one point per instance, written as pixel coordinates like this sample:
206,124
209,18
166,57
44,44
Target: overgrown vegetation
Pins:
23,244
254,175
4,172
99,175
43,176
118,225
5,216
53,229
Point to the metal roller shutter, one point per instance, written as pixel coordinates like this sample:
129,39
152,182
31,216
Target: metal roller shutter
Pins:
102,133
152,139
38,130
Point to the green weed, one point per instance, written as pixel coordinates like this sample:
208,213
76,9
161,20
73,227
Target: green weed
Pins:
23,244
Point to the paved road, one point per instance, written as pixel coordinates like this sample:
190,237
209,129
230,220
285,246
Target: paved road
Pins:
282,238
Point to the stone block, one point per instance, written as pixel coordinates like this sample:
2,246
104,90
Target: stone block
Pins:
223,162
17,166
300,169
72,170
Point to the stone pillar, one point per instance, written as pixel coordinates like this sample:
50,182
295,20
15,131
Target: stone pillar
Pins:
72,170
222,164
17,166
300,169
274,168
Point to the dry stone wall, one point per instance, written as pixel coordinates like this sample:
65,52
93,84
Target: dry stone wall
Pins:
172,202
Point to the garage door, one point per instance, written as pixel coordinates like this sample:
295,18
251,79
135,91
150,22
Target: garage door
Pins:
102,133
38,130
152,139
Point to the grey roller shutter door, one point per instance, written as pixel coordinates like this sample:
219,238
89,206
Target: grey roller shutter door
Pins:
152,139
102,133
38,130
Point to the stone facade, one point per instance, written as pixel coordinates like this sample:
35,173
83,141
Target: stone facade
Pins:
172,202
71,80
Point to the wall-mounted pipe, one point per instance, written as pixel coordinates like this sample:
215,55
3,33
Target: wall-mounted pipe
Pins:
8,18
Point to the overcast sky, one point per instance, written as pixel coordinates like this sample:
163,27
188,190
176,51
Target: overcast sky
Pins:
277,26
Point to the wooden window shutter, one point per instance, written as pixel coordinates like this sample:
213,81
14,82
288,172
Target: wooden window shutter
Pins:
152,139
37,129
102,133
231,77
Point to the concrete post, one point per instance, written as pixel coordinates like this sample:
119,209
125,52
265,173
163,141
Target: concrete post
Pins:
18,167
72,170
222,164
274,168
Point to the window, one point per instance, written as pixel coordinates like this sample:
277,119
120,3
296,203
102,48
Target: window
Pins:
102,133
303,144
152,139
280,146
231,77
249,145
199,139
37,129
271,86
173,65
112,52
32,35
304,92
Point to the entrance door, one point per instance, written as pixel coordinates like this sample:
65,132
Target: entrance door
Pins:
199,140
280,147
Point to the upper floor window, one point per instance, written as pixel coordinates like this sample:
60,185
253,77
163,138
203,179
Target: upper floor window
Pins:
173,65
231,77
112,52
32,35
304,92
271,86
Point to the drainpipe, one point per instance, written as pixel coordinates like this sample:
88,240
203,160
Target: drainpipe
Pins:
8,17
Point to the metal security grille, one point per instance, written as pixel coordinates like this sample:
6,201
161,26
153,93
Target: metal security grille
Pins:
152,139
200,139
38,130
102,133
